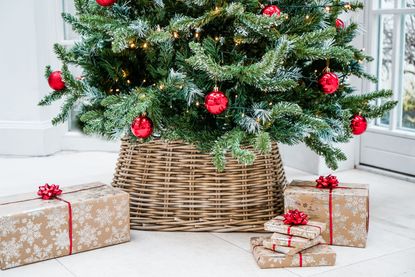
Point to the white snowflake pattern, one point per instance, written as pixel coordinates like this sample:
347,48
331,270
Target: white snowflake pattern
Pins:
364,215
7,225
15,263
339,214
290,202
82,212
88,236
339,221
356,204
118,235
35,214
57,218
39,253
358,232
10,249
122,209
103,217
340,239
30,232
322,261
308,260
61,240
320,195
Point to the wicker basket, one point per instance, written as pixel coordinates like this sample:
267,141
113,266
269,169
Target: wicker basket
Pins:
174,187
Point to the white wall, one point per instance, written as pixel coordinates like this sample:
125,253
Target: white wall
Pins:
28,29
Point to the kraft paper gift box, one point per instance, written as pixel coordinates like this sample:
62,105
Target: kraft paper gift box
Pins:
345,209
319,255
310,231
84,217
290,245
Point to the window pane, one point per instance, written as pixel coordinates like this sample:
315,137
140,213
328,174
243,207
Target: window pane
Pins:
69,7
410,3
384,4
385,57
408,107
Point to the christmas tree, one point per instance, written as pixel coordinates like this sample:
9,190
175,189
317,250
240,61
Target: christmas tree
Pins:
218,74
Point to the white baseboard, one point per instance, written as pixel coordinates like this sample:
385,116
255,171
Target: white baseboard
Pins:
387,173
25,125
301,157
41,138
30,138
76,141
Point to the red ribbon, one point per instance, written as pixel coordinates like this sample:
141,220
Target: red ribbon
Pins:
295,217
47,192
331,215
289,241
329,182
301,259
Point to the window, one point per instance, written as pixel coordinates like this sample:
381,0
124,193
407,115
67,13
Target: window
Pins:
394,49
390,141
70,37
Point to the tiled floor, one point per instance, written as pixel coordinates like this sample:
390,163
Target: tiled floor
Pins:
390,251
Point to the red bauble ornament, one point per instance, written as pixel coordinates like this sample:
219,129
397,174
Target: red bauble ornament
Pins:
216,102
329,82
55,80
339,23
106,3
358,125
270,10
142,127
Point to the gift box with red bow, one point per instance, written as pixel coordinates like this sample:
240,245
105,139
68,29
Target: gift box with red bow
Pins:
319,255
343,207
58,222
285,225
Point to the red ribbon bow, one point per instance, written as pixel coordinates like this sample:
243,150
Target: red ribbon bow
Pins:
327,182
295,217
49,191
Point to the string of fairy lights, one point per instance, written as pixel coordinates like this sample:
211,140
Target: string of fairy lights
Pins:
346,6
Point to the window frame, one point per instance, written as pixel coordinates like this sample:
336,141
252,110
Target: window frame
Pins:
373,17
386,149
75,140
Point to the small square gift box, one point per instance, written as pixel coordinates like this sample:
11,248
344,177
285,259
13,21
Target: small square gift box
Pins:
290,245
343,207
57,223
319,255
295,223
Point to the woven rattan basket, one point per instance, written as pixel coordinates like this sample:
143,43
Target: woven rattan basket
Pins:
174,187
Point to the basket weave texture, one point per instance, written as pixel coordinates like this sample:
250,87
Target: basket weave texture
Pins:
175,187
